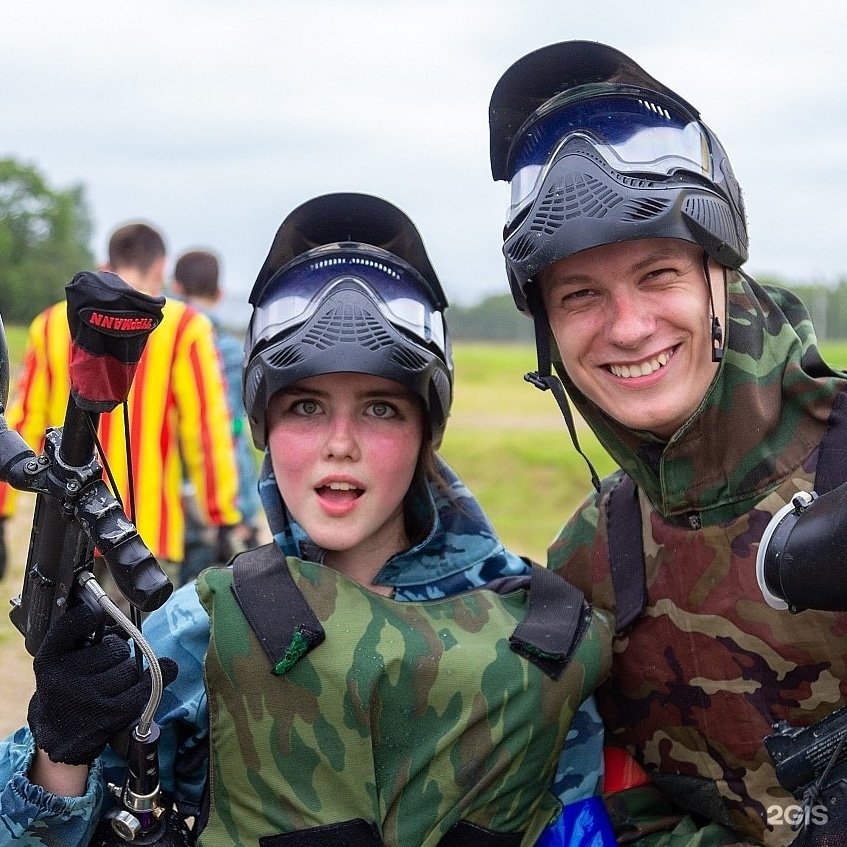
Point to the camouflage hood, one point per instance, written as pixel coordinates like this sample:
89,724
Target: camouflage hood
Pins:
765,412
459,549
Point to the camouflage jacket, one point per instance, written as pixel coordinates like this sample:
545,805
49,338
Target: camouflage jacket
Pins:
700,678
460,552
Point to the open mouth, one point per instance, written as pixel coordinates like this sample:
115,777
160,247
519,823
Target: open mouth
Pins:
340,492
645,368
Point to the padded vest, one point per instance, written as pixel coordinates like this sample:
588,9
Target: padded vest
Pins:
336,710
626,549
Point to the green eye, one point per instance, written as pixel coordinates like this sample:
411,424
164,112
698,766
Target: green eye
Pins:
306,407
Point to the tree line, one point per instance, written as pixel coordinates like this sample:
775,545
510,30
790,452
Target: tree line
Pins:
45,238
45,235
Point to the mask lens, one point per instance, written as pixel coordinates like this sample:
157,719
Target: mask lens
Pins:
634,133
296,292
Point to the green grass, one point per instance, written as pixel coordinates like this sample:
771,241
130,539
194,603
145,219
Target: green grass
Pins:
835,353
508,441
15,340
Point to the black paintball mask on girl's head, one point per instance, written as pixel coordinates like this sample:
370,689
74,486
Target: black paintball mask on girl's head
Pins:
347,287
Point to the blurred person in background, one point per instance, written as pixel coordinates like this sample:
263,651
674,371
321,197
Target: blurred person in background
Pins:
176,415
196,280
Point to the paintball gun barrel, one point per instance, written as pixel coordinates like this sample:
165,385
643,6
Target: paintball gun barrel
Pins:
75,513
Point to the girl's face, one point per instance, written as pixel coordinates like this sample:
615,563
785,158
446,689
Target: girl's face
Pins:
344,448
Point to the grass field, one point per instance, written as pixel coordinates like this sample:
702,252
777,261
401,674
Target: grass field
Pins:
506,439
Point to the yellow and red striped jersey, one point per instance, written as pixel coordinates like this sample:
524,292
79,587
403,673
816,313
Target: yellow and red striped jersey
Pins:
177,412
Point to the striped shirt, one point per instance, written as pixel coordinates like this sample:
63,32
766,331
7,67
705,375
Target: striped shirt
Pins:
177,412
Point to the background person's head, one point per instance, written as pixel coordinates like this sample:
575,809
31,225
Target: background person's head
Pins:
137,255
197,276
606,165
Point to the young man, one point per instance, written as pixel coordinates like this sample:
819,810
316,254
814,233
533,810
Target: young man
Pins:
625,239
177,410
197,281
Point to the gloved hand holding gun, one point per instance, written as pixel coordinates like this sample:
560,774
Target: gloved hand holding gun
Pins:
86,692
89,688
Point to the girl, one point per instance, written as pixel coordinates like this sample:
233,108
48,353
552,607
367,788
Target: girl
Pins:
383,672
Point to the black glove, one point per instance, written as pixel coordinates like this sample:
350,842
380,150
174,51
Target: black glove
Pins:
86,693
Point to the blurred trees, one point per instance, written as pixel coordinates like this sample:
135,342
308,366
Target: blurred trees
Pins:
496,319
44,238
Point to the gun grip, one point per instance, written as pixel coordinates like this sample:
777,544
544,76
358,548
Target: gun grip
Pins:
99,614
138,575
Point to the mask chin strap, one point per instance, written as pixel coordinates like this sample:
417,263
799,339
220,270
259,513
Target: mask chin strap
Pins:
717,332
543,379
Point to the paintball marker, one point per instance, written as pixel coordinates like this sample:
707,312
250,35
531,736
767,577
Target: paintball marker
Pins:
76,514
801,564
805,756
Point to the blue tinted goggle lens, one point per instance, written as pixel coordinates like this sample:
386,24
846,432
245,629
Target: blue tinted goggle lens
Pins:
634,133
291,297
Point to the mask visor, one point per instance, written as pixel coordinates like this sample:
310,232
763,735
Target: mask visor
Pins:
634,131
294,294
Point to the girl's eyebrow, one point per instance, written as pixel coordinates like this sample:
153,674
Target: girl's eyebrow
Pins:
391,393
398,393
300,391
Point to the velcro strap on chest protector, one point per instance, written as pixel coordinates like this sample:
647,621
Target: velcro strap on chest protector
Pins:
626,552
555,620
274,606
832,454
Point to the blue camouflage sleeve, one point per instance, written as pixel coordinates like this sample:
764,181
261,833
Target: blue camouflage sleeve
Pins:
29,815
580,769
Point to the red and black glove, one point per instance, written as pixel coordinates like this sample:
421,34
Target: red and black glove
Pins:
86,692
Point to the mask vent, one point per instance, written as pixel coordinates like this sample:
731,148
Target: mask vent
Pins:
582,196
644,209
408,359
550,212
347,323
441,384
522,247
285,357
713,217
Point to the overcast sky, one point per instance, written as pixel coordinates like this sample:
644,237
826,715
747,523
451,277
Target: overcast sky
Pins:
213,119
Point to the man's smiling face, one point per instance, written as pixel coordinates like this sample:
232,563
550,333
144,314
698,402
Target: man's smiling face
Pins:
632,322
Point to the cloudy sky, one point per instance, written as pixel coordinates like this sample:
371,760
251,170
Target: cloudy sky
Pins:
213,119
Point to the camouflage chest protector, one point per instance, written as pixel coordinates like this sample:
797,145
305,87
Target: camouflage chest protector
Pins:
339,716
